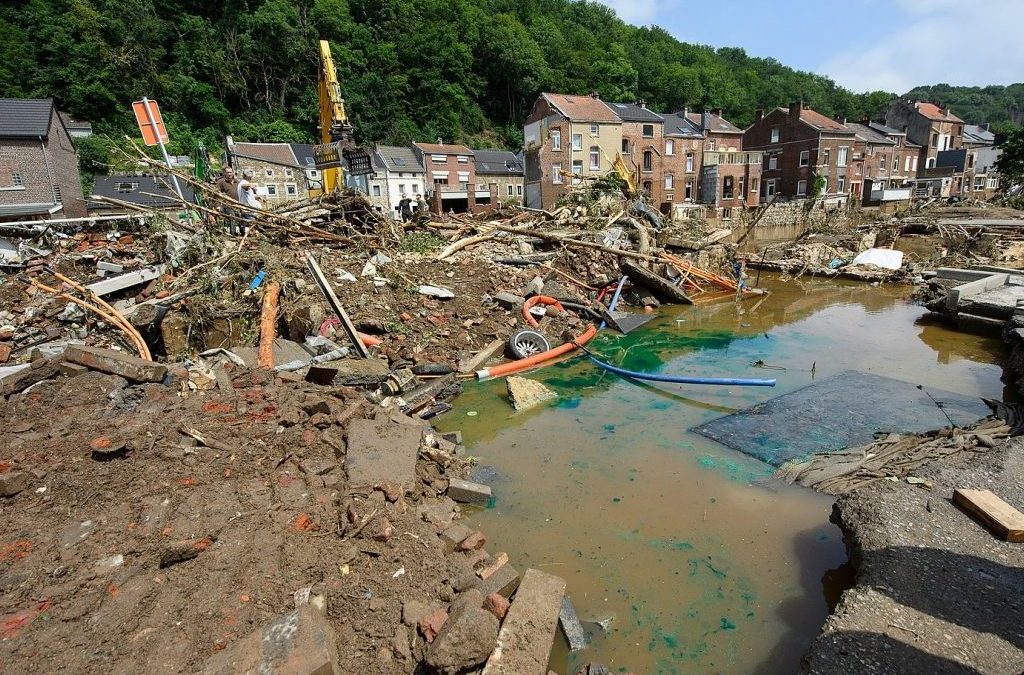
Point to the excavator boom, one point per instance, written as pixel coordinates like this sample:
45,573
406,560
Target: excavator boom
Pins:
337,149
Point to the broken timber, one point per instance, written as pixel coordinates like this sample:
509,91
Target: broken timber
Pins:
662,288
332,300
995,514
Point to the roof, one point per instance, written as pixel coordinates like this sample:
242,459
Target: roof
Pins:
271,153
632,112
934,112
25,117
677,125
715,123
500,162
975,134
816,120
888,131
303,154
130,188
581,108
395,158
869,135
442,149
70,124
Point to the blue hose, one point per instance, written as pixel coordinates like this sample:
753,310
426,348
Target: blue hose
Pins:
679,379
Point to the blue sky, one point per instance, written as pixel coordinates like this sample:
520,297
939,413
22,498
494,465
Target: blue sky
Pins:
893,45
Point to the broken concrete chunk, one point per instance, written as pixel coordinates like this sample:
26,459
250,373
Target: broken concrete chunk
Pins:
436,292
467,492
453,535
117,363
535,286
571,626
503,582
13,482
300,642
528,633
509,300
465,641
524,394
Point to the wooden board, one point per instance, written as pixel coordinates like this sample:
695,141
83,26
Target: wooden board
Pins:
325,287
992,512
662,288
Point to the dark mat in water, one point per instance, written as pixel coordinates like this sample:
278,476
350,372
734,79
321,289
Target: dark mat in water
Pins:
839,412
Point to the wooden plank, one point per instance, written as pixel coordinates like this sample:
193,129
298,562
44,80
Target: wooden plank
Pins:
662,288
332,300
992,512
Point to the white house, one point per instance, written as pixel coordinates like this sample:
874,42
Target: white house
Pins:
398,172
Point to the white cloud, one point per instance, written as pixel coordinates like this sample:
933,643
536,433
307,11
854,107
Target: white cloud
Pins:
943,41
638,12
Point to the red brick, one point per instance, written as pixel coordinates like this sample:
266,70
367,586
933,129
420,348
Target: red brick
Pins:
473,542
430,624
497,605
5,352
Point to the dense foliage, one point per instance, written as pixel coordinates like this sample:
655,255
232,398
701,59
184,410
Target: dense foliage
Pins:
1011,157
460,70
1000,107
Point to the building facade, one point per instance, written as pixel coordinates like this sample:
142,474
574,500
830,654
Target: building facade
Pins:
399,173
682,161
934,128
501,173
568,139
799,145
450,175
278,175
39,176
642,147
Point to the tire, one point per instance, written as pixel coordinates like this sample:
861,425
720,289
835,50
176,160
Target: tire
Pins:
526,343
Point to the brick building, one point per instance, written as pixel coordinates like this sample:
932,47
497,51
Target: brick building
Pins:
682,160
642,146
730,182
907,153
930,126
567,138
800,144
398,172
500,172
450,177
38,166
874,157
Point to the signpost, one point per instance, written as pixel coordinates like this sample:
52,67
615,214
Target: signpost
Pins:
151,124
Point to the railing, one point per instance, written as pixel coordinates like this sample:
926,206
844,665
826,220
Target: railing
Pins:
732,158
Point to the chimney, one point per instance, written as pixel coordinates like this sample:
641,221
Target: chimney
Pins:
718,111
759,114
686,111
705,120
594,94
642,103
795,108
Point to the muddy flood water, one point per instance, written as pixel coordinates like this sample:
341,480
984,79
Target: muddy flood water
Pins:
686,552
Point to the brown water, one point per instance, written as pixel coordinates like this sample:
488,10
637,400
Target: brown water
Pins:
690,555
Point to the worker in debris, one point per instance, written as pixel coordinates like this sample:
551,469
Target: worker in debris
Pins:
739,270
247,195
405,208
421,203
228,185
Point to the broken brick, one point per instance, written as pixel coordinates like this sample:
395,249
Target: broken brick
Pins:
497,605
430,624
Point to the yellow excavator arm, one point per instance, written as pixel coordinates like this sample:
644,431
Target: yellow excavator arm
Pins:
337,147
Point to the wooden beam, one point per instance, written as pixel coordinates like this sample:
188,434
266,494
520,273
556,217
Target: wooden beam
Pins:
332,300
992,512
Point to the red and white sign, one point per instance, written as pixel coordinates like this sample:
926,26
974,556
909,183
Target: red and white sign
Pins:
150,130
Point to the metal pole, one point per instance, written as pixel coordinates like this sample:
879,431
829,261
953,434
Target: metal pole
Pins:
163,149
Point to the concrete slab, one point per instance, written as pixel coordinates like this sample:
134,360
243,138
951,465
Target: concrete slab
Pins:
528,632
299,643
382,450
997,303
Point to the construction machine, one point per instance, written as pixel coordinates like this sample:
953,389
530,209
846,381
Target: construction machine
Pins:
337,151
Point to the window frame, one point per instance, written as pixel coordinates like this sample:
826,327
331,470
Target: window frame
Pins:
843,155
805,157
577,142
801,188
644,128
594,155
556,174
556,139
670,147
595,130
776,134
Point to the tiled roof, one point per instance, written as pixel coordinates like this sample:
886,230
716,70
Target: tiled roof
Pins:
676,125
631,112
441,149
888,131
716,123
303,154
500,162
869,135
581,108
21,117
271,153
934,112
399,159
975,134
820,122
130,189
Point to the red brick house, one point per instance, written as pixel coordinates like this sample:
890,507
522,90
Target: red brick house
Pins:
730,179
800,144
682,160
643,134
450,177
39,176
934,128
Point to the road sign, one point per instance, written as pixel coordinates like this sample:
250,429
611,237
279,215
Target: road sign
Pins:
149,120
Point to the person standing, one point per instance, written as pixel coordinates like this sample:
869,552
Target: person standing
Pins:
247,195
227,184
405,208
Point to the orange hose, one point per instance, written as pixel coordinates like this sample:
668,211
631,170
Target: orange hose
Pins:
542,299
536,359
268,319
369,340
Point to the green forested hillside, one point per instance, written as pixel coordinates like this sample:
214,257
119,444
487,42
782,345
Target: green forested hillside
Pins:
1001,107
462,70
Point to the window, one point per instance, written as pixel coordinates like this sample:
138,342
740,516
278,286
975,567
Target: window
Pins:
689,162
519,190
577,171
841,157
712,144
270,173
670,147
841,184
979,182
376,191
56,195
401,186
595,158
993,182
742,185
314,174
118,187
577,141
291,191
271,190
463,159
595,130
913,163
895,163
727,213
289,173
773,162
669,181
930,164
556,139
416,187
648,160
906,163
510,189
438,159
801,188
464,177
648,187
775,135
625,146
826,156
648,131
753,184
805,157
438,180
727,187
689,189
769,187
18,181
935,140
882,165
556,174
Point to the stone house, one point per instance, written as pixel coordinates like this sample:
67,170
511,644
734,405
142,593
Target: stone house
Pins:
642,146
279,176
502,173
399,171
800,144
450,177
567,139
730,181
39,176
